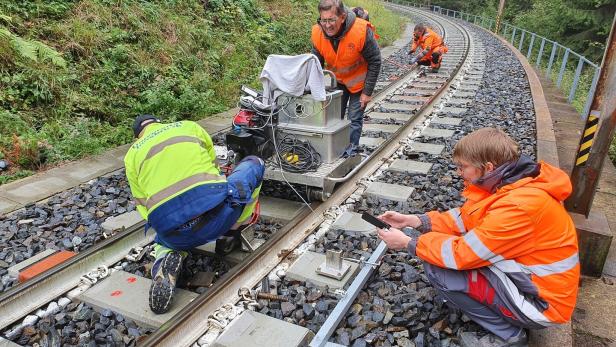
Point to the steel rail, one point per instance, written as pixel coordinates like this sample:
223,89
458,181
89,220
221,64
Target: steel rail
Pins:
377,98
190,323
24,298
327,329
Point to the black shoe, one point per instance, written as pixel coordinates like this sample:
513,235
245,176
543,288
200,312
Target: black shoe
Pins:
165,275
350,151
227,244
471,339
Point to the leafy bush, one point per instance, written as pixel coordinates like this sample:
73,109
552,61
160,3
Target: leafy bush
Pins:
74,73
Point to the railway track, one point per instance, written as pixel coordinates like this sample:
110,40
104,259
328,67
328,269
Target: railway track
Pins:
396,119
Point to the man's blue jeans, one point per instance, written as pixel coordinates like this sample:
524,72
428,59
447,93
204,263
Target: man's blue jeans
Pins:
356,113
244,185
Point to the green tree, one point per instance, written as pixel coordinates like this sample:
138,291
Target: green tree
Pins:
582,25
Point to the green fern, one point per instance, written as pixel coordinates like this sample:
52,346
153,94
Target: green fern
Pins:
5,18
27,49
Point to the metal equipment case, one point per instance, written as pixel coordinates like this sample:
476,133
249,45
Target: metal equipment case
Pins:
329,142
305,110
317,122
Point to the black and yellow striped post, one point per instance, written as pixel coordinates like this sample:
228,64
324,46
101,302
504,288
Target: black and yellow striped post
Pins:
597,135
587,139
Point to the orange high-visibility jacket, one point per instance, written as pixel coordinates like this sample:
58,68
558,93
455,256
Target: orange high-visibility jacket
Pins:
347,63
522,234
429,41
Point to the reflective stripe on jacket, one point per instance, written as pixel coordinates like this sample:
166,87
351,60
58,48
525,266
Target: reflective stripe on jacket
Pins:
521,233
173,175
347,63
430,41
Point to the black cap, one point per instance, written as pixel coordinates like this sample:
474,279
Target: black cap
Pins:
137,127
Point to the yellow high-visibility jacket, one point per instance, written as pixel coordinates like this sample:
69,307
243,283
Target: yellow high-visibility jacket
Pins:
173,175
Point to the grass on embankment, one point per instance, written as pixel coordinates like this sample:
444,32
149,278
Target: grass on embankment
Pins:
73,74
388,25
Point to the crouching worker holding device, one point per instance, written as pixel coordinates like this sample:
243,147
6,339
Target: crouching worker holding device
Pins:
508,257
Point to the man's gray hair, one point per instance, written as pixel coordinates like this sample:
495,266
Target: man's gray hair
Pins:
326,5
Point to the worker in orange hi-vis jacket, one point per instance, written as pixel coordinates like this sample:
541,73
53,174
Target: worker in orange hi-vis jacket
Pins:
427,48
508,257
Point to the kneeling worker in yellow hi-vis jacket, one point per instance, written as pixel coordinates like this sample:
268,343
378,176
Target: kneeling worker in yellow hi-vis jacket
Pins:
180,192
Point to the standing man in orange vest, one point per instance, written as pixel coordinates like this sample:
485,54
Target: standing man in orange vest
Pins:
508,257
431,47
347,46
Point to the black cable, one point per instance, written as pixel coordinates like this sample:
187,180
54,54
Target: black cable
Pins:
308,159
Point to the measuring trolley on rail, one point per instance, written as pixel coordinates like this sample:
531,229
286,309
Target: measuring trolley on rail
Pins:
301,139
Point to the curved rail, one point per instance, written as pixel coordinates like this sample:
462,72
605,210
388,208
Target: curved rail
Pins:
18,301
189,324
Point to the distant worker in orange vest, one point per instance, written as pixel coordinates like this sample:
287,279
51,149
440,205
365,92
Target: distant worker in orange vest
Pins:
347,46
508,257
361,12
428,47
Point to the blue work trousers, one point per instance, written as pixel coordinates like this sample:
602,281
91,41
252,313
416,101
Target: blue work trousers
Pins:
243,184
355,114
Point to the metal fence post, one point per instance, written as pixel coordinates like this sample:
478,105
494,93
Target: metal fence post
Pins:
563,66
540,55
576,79
551,62
521,41
591,92
530,46
513,35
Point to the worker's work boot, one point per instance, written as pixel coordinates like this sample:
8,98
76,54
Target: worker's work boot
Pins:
229,242
165,273
471,339
350,151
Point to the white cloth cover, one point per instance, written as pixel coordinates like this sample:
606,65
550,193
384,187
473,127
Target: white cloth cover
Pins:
292,75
